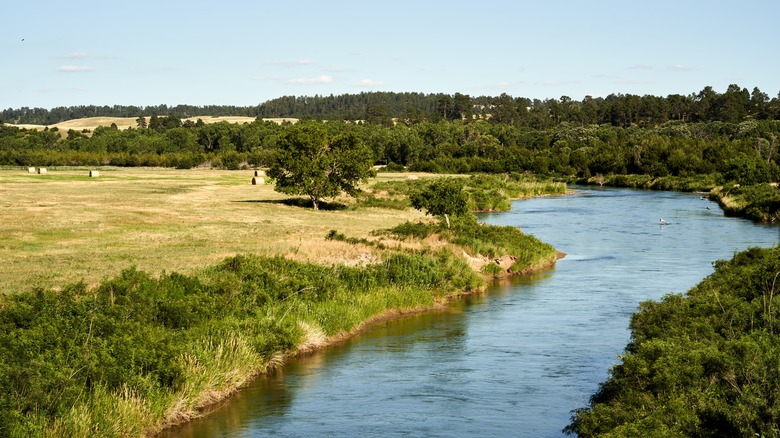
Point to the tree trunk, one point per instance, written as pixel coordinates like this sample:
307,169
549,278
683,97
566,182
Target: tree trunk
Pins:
447,218
314,203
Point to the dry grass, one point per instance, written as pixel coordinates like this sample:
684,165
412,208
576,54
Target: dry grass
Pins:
65,227
91,123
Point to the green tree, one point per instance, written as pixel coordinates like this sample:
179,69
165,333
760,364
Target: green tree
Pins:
442,197
314,163
462,106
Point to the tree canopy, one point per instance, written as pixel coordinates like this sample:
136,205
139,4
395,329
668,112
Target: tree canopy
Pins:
442,197
312,161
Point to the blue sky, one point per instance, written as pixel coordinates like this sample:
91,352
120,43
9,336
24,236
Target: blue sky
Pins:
237,52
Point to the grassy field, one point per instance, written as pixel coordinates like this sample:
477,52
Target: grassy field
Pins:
231,278
64,226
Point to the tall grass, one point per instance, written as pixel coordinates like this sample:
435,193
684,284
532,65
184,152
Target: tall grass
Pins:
759,202
488,241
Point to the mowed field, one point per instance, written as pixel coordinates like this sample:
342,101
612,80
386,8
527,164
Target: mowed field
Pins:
90,123
64,227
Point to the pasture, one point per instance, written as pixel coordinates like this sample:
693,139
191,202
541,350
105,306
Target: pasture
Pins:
65,227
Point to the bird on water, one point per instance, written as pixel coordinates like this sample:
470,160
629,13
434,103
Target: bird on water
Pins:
663,222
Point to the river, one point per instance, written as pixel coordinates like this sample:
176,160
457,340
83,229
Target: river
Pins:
513,362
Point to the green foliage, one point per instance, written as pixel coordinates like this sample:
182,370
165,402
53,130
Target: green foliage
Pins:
418,230
703,364
135,346
699,183
493,241
312,162
748,170
442,197
335,235
483,240
393,167
760,202
492,269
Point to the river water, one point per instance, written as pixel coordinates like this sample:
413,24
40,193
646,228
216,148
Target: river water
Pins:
516,361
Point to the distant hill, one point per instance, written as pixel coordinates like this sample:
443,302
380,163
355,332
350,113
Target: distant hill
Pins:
735,105
90,123
343,107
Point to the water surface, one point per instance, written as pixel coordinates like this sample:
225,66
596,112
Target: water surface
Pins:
516,361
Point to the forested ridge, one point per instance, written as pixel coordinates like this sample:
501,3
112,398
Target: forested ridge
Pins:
617,109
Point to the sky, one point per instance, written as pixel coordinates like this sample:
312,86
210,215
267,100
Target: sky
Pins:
237,52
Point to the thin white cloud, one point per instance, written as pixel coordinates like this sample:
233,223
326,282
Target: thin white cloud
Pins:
679,67
368,83
75,68
324,79
640,67
76,55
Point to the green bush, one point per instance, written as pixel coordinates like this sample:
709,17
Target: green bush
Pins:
75,351
700,364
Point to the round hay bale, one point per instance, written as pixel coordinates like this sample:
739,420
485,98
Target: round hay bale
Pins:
411,177
30,170
257,181
41,171
94,174
259,173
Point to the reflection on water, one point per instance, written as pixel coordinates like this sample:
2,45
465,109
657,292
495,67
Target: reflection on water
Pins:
516,360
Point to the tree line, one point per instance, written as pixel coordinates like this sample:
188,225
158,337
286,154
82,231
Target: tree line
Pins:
744,152
734,105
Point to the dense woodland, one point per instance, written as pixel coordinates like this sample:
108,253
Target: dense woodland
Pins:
733,105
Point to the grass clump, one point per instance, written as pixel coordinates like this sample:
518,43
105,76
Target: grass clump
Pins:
486,241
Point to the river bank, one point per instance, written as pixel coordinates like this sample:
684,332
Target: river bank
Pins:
147,352
515,360
314,339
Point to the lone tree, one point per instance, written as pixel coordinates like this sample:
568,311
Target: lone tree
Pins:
442,197
312,162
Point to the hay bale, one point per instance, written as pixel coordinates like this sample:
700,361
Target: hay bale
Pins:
94,174
259,173
411,177
257,181
30,170
41,171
